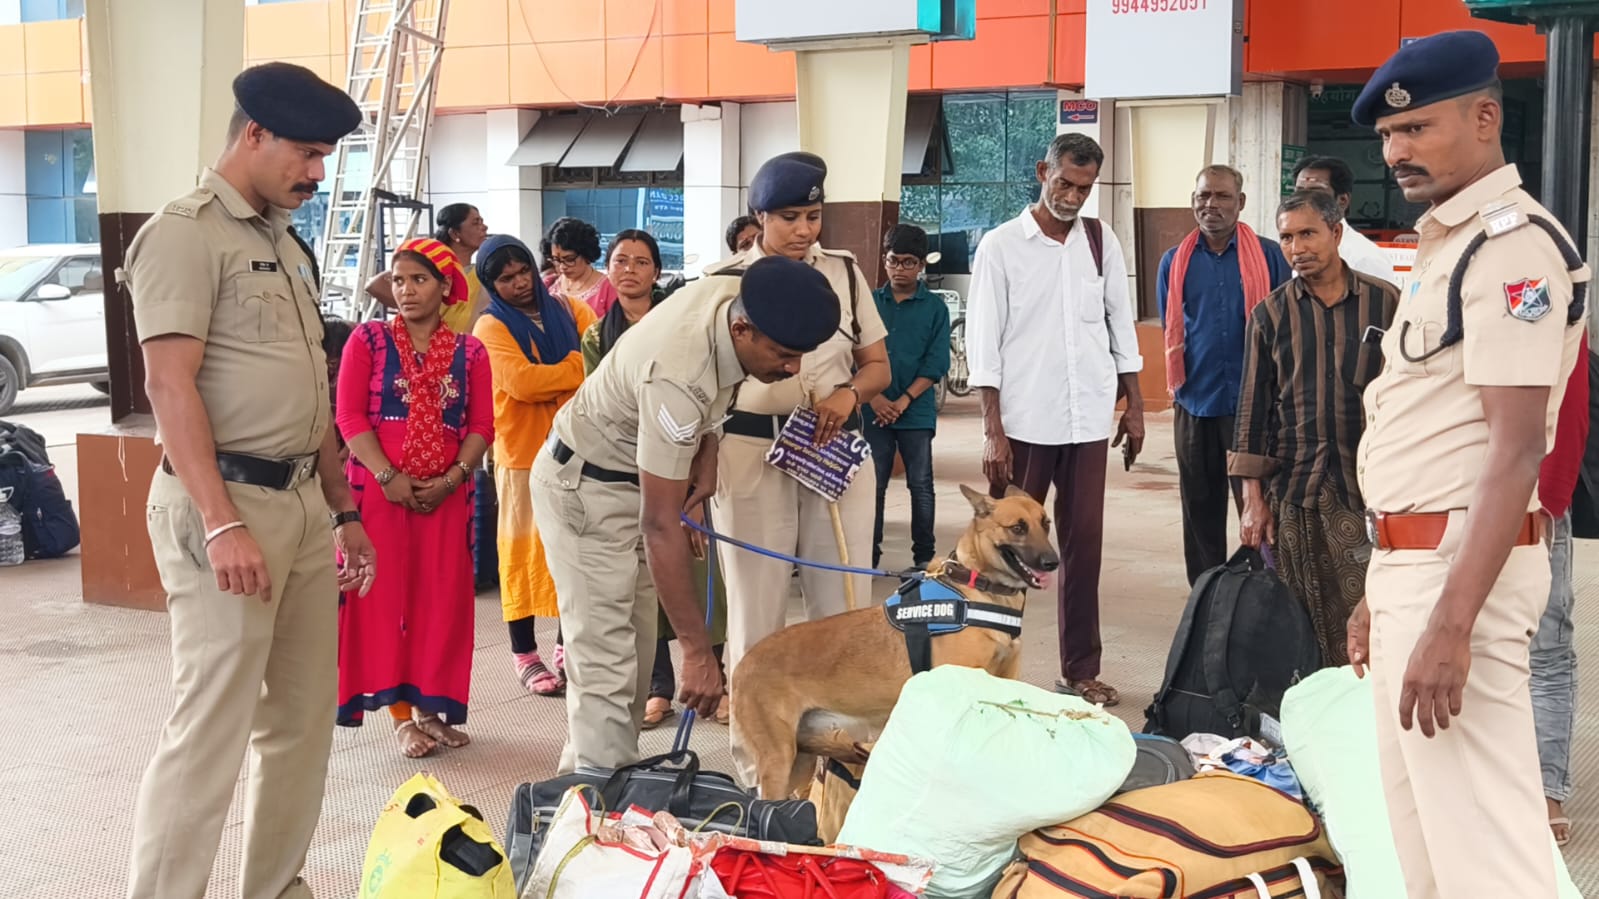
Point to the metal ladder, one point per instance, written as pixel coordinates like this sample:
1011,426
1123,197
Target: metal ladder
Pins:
395,50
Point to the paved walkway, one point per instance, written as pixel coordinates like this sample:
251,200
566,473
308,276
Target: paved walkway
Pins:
87,687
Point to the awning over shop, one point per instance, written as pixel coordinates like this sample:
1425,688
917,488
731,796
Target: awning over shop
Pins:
658,146
602,141
921,121
548,140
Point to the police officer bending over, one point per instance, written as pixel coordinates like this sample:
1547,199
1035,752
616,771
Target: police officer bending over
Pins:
225,300
633,450
1475,365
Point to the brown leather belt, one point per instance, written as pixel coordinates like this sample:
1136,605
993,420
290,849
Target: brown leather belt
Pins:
1425,530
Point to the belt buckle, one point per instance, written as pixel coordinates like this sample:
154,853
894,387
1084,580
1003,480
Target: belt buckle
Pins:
299,472
1371,528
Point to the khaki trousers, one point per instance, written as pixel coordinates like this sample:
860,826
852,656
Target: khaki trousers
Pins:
1467,805
758,504
606,594
246,673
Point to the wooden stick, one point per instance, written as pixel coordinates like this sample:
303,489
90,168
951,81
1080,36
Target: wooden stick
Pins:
843,554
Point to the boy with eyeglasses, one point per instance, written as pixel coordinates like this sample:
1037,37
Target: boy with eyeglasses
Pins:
903,418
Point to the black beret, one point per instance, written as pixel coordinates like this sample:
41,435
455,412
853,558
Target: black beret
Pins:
789,302
1427,71
792,179
293,103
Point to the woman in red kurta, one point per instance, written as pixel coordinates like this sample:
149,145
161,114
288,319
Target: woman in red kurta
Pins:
416,405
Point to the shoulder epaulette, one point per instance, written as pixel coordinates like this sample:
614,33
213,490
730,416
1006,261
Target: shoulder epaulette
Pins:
1500,217
190,205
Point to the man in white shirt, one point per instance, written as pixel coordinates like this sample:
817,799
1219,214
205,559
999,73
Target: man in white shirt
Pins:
1049,329
1333,175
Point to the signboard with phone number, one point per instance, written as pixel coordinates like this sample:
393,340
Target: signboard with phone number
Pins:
1126,7
1123,36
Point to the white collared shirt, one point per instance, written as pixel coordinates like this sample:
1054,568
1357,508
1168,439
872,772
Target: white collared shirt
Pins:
1051,334
1360,254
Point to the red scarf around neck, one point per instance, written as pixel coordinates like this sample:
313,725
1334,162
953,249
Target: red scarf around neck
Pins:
1257,284
425,386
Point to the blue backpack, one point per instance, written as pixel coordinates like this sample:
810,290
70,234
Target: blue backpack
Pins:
49,526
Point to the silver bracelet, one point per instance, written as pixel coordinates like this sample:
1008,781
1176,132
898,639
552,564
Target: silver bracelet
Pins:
214,534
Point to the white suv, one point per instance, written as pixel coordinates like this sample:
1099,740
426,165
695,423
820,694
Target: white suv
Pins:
52,318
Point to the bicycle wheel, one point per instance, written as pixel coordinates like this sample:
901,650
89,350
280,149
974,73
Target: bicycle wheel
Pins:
956,381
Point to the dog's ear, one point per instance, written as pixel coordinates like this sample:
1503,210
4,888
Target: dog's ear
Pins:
981,504
1013,490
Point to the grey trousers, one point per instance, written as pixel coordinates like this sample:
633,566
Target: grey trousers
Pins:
1554,670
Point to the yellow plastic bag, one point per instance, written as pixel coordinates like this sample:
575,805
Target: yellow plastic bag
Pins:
428,846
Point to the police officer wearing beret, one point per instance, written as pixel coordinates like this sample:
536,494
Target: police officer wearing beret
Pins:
1475,365
756,502
633,450
225,300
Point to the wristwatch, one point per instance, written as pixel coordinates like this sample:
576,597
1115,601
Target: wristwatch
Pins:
341,519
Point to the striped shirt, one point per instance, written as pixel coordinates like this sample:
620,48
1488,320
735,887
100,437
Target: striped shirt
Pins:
1305,364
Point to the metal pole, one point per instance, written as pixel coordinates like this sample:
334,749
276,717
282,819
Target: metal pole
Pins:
1567,125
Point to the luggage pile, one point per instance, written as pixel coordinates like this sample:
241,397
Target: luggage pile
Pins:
984,787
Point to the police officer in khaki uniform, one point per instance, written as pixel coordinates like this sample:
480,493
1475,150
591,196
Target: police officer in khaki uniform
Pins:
635,449
1475,365
759,504
225,301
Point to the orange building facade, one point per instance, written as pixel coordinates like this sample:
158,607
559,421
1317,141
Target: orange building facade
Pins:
986,108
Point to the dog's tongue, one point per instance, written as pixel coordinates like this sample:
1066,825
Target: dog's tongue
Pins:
1043,580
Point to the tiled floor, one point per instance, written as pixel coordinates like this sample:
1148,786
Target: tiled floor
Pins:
87,687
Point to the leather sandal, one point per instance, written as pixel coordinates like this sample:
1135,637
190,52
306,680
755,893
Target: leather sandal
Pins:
1094,691
656,710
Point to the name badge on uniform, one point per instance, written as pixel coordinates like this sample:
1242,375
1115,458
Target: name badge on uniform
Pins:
263,265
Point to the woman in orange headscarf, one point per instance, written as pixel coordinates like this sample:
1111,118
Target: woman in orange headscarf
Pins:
416,405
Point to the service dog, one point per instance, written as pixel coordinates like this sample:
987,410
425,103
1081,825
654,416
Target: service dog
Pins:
824,688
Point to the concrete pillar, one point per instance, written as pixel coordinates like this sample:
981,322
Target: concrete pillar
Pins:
712,149
1267,117
852,114
514,202
133,47
152,136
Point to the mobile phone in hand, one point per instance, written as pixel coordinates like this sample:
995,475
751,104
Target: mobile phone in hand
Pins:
1127,455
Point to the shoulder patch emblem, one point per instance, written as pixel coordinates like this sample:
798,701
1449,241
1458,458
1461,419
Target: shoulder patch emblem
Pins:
1528,299
681,434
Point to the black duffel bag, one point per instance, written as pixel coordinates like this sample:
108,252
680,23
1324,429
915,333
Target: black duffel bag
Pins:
673,783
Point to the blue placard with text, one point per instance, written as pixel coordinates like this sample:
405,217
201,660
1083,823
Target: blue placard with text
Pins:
827,469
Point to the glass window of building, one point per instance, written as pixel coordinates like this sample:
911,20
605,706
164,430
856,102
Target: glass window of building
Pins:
980,171
50,10
59,177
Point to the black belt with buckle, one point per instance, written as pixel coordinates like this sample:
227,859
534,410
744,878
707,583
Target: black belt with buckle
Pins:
563,454
254,471
765,427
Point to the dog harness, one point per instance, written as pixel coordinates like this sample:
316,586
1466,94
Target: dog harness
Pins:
924,608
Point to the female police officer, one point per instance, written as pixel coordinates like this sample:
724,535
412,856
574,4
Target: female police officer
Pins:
756,502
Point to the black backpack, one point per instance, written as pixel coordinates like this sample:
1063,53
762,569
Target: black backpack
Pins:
1243,641
25,440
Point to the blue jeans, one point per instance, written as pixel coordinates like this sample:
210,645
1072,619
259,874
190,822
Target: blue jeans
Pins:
916,448
1554,671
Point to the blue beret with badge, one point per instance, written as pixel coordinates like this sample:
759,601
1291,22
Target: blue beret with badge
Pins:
790,302
1427,71
295,104
792,179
